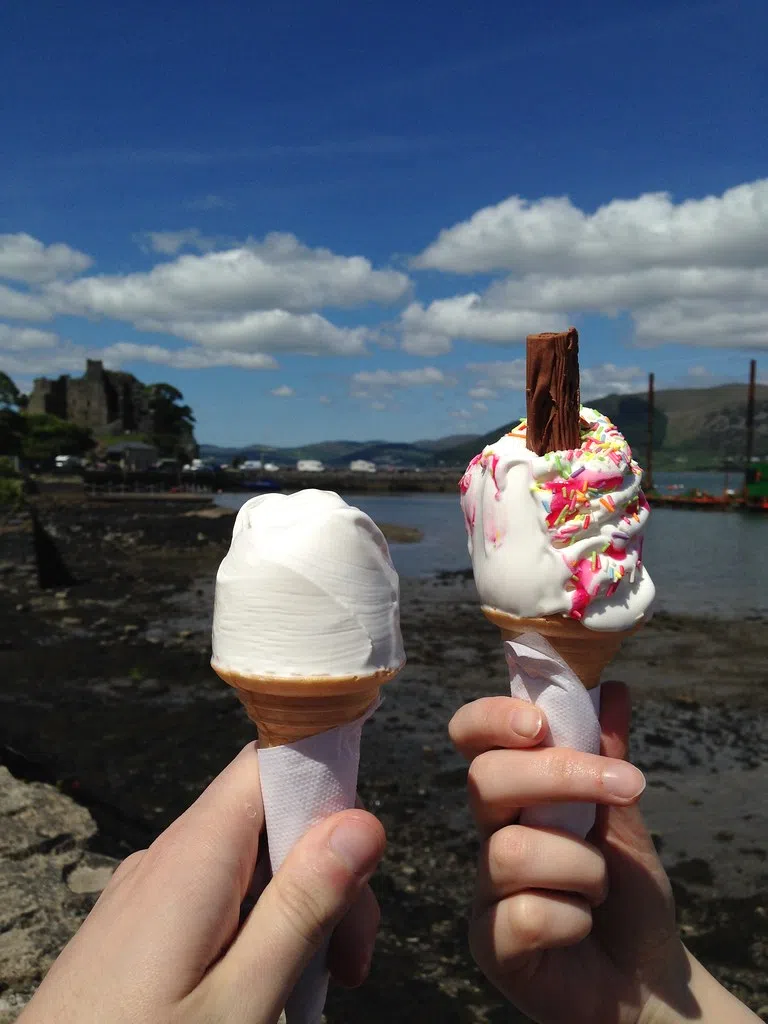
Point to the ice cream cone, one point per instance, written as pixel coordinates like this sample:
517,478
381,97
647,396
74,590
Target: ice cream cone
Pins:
585,651
289,709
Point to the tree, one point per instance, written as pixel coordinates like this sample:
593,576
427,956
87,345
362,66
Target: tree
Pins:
46,436
10,396
173,422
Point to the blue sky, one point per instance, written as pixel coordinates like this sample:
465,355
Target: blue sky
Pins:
335,219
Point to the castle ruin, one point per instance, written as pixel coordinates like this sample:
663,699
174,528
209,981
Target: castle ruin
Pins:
105,401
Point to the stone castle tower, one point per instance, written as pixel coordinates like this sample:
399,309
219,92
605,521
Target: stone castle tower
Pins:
106,401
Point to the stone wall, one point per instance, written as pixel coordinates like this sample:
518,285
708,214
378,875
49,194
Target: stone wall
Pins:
48,883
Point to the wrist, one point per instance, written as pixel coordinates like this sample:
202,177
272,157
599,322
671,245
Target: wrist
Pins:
700,998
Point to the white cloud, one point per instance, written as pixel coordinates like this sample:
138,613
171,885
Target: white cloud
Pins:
596,381
192,358
708,323
551,234
209,202
379,406
430,330
24,258
284,391
425,376
482,392
273,330
480,406
23,305
19,339
168,243
36,362
325,400
694,272
278,273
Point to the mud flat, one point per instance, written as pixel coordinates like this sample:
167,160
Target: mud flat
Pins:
107,695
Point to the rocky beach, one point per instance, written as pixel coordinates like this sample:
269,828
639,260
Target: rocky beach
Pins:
111,722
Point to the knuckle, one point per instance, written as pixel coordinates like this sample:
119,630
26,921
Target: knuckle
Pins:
478,773
127,867
303,908
508,849
527,920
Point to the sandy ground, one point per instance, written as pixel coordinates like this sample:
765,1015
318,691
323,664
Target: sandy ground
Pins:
123,655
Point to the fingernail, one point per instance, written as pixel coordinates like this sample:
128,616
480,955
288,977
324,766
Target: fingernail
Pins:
526,722
624,780
352,843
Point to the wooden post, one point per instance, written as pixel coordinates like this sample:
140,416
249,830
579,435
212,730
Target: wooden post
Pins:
648,475
751,411
552,392
750,423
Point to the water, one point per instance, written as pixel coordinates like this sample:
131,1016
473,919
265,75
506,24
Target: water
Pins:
709,483
702,562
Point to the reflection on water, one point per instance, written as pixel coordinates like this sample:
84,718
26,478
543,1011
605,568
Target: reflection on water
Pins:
702,562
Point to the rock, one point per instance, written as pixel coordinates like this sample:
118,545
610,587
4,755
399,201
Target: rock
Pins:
48,882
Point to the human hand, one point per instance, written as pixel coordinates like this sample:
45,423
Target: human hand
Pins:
571,932
165,942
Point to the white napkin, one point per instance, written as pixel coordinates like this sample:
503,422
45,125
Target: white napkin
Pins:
302,783
538,674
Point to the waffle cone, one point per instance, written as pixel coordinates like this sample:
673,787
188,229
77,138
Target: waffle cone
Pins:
288,709
585,651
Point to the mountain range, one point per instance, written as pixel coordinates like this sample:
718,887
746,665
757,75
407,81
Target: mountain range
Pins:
694,428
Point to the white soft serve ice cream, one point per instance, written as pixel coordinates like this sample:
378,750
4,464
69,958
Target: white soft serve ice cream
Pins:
561,533
307,588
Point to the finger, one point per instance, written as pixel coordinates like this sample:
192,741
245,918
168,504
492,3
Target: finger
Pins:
185,892
524,924
318,883
351,948
496,722
500,782
615,712
219,834
517,858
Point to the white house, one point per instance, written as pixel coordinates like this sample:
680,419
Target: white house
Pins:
309,466
362,466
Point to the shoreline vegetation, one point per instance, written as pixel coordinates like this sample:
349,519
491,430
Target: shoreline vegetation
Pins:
109,697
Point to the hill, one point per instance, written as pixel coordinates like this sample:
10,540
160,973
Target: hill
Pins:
694,428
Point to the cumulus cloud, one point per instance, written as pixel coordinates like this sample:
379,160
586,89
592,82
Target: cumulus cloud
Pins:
424,376
209,202
278,273
23,305
482,392
24,258
693,272
50,361
273,330
430,330
284,391
596,381
191,358
552,234
168,243
18,339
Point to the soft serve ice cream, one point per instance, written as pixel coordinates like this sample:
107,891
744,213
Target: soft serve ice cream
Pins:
307,589
561,533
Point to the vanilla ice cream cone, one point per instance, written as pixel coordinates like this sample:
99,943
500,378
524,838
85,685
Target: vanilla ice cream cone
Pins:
585,651
291,709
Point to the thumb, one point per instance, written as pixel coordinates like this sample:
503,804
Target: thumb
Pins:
315,887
